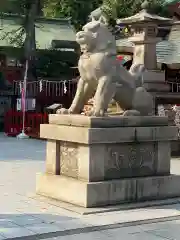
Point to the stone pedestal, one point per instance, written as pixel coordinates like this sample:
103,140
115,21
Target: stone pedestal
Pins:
154,81
94,161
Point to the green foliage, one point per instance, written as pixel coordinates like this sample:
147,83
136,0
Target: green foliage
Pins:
18,6
25,35
77,10
124,8
56,63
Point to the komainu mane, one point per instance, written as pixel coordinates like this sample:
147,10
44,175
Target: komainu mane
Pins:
103,77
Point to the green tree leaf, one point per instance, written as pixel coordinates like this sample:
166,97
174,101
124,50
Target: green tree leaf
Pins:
77,10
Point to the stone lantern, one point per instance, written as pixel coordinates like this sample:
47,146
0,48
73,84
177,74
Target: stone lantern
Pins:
144,27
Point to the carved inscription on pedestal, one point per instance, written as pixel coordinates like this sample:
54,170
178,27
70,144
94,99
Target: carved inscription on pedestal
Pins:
131,160
69,159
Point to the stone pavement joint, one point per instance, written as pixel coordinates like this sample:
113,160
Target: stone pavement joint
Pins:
95,228
26,218
111,208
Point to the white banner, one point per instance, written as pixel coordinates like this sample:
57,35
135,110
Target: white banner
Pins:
30,104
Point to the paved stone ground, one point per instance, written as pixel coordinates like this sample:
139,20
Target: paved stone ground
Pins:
24,218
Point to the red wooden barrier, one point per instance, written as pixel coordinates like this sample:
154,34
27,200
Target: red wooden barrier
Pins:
13,123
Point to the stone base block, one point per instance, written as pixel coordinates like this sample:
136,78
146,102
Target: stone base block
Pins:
96,194
101,161
97,149
157,87
154,76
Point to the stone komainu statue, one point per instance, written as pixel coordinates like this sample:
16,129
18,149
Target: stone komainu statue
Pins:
103,77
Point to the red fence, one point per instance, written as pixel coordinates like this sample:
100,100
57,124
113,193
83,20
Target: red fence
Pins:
14,122
46,93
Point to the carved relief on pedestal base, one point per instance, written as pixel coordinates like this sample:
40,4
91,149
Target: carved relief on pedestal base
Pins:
69,159
130,160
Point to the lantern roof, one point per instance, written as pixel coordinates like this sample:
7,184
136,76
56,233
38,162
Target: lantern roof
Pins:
144,16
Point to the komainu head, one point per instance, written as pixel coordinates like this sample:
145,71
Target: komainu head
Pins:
96,37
